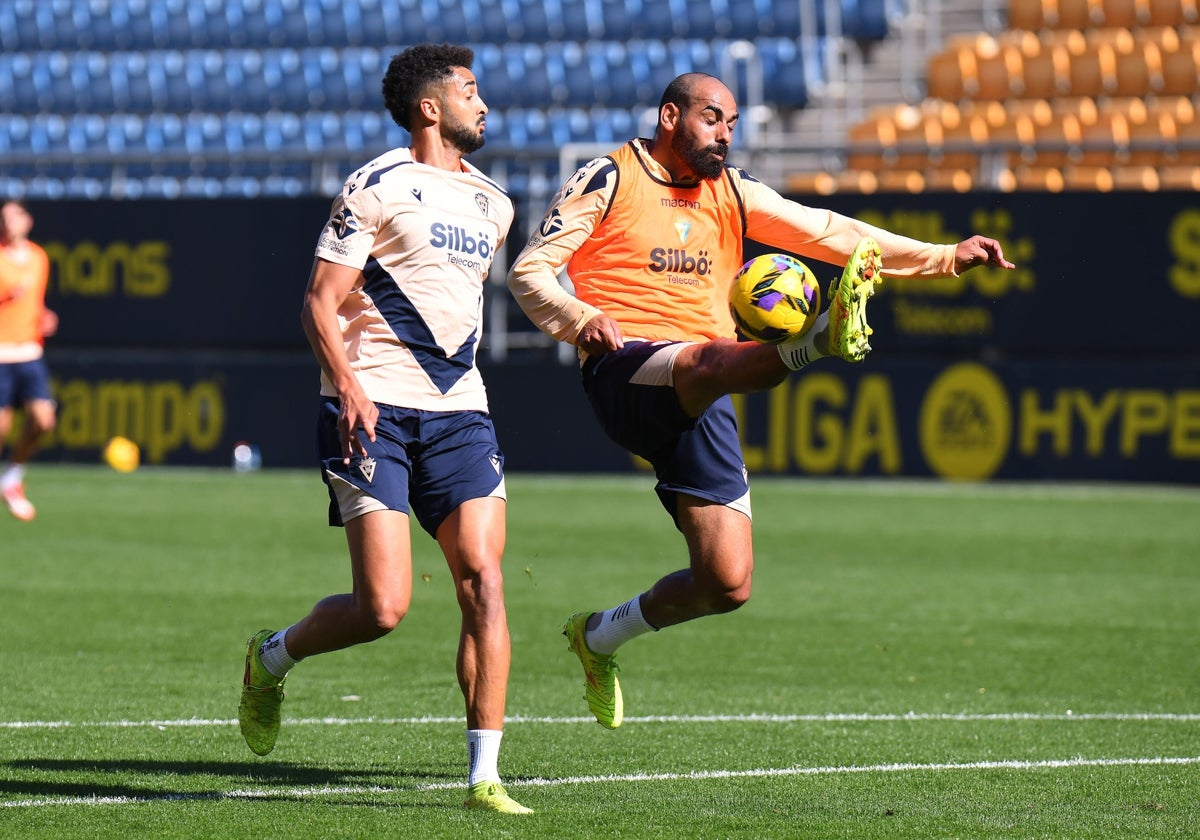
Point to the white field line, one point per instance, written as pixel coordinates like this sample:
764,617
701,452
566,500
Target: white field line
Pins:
309,793
851,717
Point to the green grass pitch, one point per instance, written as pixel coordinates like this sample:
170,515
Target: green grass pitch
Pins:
918,660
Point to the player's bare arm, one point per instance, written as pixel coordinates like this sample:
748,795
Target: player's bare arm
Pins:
979,250
328,285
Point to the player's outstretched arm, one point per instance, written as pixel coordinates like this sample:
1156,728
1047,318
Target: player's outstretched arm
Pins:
979,250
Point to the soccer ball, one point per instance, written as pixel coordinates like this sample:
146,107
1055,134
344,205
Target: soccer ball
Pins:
773,298
122,454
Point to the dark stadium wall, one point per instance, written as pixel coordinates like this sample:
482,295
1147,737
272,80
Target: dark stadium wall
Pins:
179,329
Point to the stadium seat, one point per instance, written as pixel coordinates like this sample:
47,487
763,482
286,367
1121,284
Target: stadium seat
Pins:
1173,12
576,21
784,72
47,134
282,132
164,135
866,19
1181,178
14,134
20,94
125,135
1181,69
618,18
203,135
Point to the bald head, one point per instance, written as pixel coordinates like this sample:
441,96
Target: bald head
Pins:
695,126
687,88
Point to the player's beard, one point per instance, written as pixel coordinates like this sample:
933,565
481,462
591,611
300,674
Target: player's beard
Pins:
702,160
465,138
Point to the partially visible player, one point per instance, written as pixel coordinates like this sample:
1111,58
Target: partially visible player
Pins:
651,236
393,312
25,322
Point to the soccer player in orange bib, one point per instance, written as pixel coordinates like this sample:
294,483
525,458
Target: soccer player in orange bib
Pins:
25,322
394,314
651,236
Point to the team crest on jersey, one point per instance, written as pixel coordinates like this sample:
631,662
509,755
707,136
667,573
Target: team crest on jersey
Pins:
683,228
481,201
343,223
366,468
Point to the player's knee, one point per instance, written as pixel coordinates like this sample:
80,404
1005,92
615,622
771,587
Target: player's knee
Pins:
382,618
727,594
731,599
481,589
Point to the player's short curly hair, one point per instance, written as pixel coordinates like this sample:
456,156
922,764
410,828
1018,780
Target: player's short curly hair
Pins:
410,73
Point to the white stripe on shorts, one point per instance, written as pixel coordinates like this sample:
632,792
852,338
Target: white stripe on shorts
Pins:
659,369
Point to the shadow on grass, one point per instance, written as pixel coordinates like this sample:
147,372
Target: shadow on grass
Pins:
249,780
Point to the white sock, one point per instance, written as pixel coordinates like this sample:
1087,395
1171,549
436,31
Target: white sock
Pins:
483,751
617,626
274,655
798,352
13,474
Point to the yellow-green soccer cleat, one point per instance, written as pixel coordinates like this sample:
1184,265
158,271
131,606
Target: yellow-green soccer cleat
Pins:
262,694
602,688
491,796
848,329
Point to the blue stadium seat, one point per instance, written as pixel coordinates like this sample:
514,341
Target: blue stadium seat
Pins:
781,18
618,19
613,74
784,74
244,135
865,19
527,67
92,82
85,134
372,22
133,25
536,19
52,81
491,67
20,94
47,135
406,24
697,57
284,77
322,132
576,75
665,60
14,133
125,134
323,75
203,135
130,80
282,132
615,126
167,73
10,35
664,19
34,27
701,22
577,22
164,134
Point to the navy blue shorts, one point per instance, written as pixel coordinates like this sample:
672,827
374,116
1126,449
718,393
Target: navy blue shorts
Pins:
699,456
23,382
424,462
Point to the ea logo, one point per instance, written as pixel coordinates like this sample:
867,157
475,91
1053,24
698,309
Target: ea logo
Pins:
966,423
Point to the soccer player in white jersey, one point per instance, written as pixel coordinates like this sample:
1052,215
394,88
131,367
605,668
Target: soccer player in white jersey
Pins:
393,311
